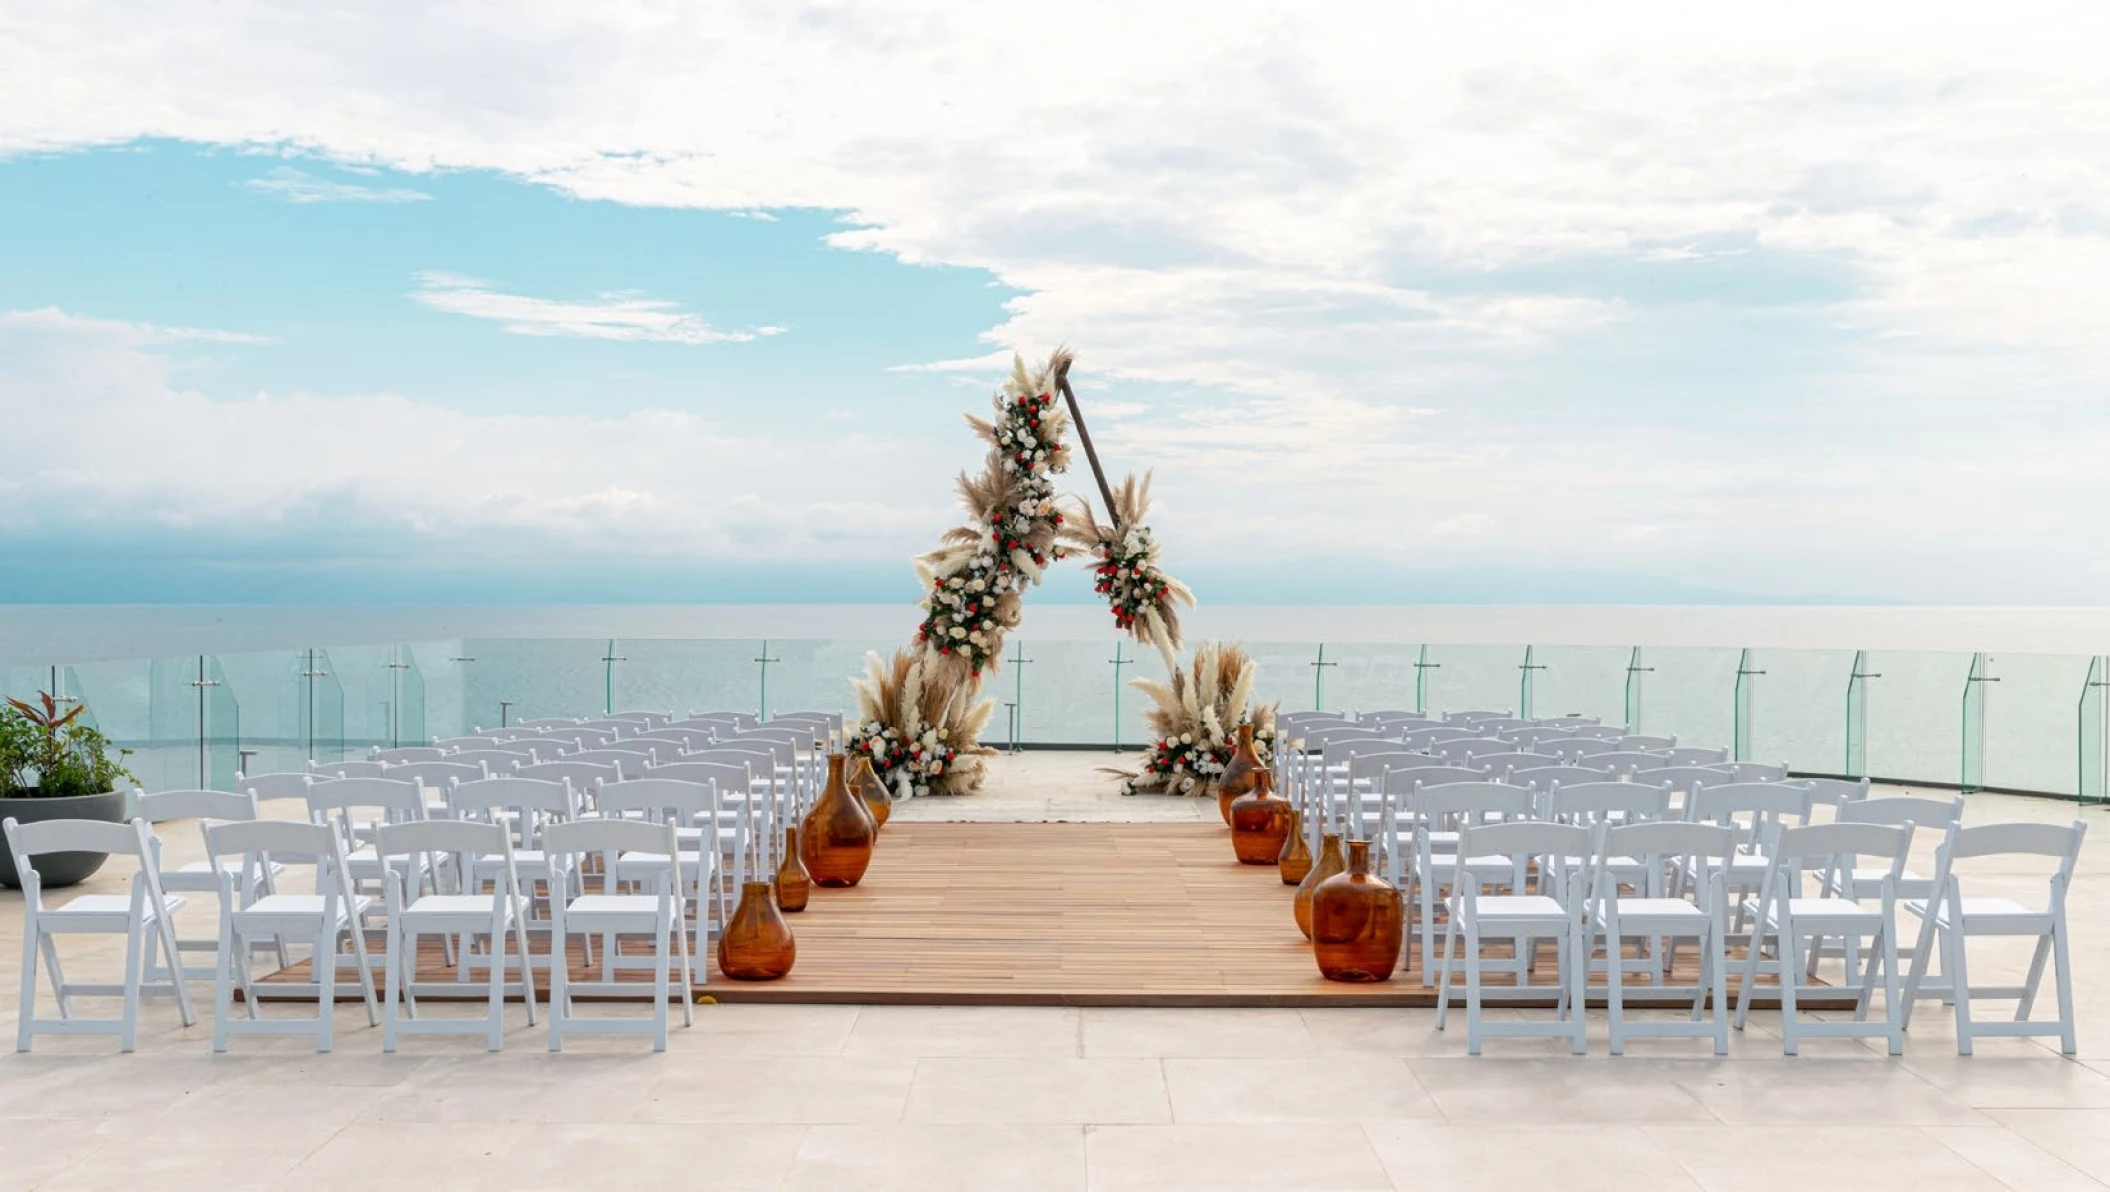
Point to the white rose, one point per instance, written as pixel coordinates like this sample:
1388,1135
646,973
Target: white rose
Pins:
1186,738
958,632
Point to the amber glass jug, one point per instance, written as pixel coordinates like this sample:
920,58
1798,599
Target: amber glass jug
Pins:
867,786
1294,862
1328,864
1356,922
835,839
1241,773
1260,822
757,943
794,886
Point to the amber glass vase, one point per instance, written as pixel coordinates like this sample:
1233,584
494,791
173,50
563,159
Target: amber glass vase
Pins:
757,943
1260,821
1241,773
793,884
1295,859
1356,922
835,840
867,786
1328,864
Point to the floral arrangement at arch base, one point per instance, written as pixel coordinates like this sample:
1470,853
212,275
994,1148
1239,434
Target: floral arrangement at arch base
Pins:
1195,720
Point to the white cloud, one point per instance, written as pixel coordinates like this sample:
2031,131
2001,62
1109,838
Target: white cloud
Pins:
299,186
653,483
624,315
52,318
1547,272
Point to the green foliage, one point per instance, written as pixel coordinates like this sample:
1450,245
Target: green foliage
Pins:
45,753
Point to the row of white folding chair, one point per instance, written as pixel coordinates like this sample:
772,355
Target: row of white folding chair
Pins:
1578,902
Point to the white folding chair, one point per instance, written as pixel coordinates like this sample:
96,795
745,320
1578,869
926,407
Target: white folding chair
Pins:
463,911
323,918
408,753
582,777
1949,919
1640,743
203,877
271,787
1434,809
1657,920
436,776
694,809
142,916
324,771
1783,915
656,914
1692,755
1553,912
1567,750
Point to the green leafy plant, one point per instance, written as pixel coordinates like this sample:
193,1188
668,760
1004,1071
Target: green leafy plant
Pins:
49,753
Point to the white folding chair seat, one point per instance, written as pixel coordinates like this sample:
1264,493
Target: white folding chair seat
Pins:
144,917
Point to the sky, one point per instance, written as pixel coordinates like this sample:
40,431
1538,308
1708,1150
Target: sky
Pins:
1545,303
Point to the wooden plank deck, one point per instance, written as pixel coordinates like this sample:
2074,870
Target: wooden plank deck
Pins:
1121,914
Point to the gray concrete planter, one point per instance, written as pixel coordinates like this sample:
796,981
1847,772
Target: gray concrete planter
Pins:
60,869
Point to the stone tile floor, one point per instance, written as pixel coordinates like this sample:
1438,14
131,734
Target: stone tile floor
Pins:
1017,1098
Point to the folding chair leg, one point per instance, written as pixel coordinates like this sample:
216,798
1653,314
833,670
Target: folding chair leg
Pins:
392,986
1893,1009
2062,972
223,988
1960,986
2028,999
1472,990
26,1007
166,929
135,963
325,967
55,973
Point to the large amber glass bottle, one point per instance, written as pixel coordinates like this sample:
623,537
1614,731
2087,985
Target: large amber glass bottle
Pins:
835,840
866,785
1356,922
1260,822
794,885
1328,864
1295,859
1241,773
757,944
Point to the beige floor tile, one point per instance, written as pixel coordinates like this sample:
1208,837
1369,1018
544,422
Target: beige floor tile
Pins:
452,1157
1172,1032
926,1157
1877,1091
1039,1090
33,1151
2011,1159
769,1030
1313,1088
1225,1158
2080,1137
2044,1080
968,1031
1573,1158
795,1090
1769,1158
619,1157
1571,1090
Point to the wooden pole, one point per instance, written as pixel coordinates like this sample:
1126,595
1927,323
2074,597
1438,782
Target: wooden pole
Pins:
1069,395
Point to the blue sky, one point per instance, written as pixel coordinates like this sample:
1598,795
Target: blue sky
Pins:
666,304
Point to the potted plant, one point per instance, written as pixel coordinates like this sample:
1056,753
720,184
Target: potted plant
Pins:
52,766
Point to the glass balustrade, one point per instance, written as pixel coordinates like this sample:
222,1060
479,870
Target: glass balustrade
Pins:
2006,722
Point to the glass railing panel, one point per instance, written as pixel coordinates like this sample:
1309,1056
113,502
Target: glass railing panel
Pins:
813,675
259,682
1473,677
2033,735
220,748
1066,694
1912,701
1286,673
519,679
1580,681
1371,676
684,675
1971,771
2092,729
1690,694
1796,708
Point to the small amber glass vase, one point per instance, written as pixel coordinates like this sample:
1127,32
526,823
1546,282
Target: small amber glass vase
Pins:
867,786
757,943
1328,864
1260,821
1357,921
1294,861
1241,773
794,886
835,839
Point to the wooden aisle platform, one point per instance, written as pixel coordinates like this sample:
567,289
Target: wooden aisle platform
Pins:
1040,914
